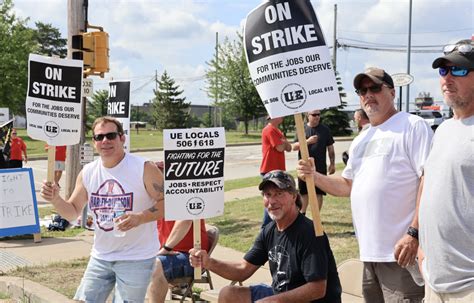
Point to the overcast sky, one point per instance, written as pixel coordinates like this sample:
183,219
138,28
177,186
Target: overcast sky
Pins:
179,36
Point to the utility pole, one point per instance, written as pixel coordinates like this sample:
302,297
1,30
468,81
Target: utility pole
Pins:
408,57
217,78
156,80
77,14
334,51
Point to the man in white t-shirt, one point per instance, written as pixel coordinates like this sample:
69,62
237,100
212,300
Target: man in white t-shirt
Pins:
124,249
447,199
382,177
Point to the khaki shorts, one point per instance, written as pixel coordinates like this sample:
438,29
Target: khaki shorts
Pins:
432,296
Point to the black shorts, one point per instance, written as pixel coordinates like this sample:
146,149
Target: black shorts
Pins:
304,190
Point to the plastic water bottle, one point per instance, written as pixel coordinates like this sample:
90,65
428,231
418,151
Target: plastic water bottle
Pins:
119,211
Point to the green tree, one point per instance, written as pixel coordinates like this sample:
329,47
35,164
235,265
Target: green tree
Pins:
96,107
229,82
16,43
49,40
334,117
169,109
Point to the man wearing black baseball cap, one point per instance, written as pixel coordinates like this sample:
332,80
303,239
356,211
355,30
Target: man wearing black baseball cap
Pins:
381,178
302,265
446,209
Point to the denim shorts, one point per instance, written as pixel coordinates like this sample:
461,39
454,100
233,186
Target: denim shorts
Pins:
130,278
260,291
176,266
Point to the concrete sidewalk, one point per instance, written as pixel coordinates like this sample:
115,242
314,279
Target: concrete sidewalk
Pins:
15,253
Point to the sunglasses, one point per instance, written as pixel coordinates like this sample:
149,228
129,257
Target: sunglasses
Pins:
373,89
13,133
455,71
462,48
109,136
315,115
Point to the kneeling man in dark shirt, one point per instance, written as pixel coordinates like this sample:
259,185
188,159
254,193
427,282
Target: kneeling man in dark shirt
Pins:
302,265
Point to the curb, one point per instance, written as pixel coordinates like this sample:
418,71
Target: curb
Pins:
20,289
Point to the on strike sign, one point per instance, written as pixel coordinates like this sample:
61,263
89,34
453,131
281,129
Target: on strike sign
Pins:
194,173
288,59
53,101
118,106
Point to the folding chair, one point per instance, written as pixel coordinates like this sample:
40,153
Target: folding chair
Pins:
350,274
183,287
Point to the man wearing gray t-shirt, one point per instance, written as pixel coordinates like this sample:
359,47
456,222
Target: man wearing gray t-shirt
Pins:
446,214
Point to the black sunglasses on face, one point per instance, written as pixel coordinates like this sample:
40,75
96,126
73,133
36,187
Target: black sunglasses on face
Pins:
315,115
109,136
455,71
373,89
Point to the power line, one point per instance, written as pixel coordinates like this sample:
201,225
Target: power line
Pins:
344,45
404,33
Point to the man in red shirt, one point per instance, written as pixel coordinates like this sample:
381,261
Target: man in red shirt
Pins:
176,238
17,151
274,145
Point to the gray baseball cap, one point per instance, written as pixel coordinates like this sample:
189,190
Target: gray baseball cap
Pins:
454,53
280,178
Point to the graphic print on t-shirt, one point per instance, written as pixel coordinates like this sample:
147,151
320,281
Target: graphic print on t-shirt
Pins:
282,274
102,202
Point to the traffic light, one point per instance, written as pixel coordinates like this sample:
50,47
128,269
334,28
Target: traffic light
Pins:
93,49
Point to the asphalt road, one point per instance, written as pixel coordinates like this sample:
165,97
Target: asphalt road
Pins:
240,161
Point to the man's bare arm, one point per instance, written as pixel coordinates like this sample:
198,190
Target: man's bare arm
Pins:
334,185
72,208
305,293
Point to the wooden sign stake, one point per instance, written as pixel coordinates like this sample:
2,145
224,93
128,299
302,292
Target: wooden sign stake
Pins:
318,227
197,244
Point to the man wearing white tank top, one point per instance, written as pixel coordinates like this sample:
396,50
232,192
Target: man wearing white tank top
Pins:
124,249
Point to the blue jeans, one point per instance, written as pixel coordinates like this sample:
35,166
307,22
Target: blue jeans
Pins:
130,279
176,266
260,291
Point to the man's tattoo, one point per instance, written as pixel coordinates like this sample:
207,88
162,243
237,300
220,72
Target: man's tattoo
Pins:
159,188
153,209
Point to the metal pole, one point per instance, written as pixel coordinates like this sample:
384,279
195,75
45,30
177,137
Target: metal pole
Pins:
217,79
408,57
400,100
334,51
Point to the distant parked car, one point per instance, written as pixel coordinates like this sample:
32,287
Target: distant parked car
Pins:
432,117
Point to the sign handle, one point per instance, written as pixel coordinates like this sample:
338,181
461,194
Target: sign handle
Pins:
318,227
197,244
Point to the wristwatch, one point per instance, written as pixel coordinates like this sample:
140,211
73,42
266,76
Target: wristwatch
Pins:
167,248
412,232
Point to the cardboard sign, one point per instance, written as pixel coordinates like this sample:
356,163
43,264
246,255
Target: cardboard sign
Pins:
288,59
194,173
53,101
118,106
18,207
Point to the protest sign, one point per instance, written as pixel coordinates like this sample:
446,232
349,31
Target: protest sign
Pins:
194,176
18,207
194,173
288,59
290,66
118,106
53,101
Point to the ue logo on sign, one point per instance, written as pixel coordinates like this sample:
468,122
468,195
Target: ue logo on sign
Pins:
51,129
293,96
195,206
